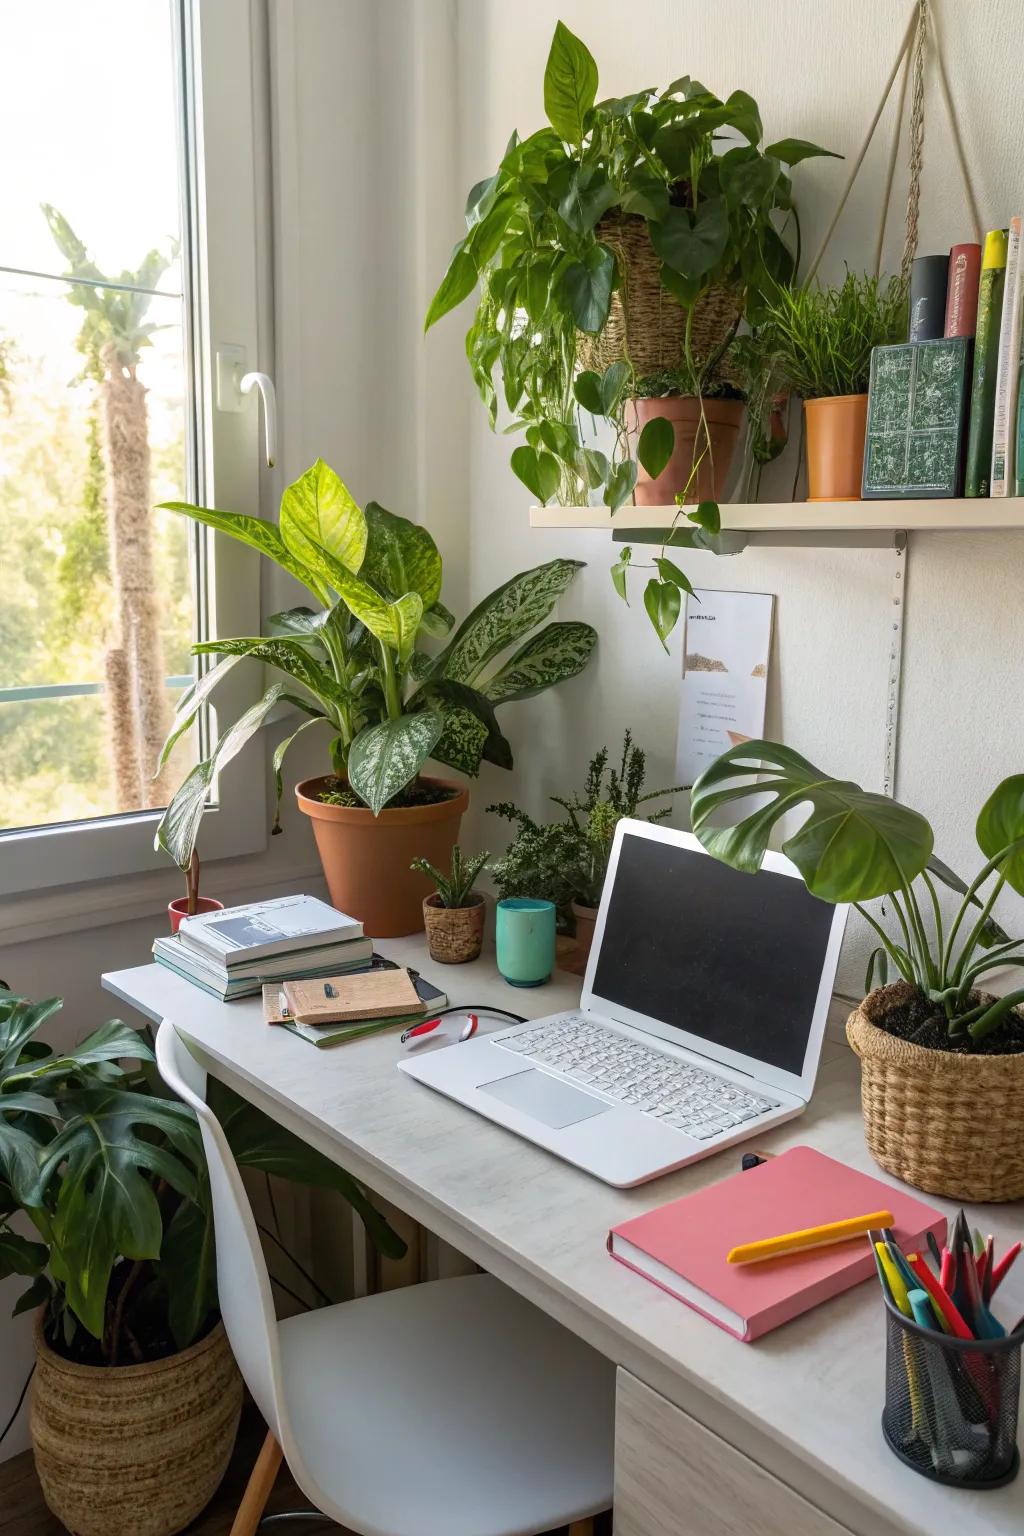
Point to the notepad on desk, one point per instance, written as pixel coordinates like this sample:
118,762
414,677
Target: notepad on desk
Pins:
683,1247
327,1032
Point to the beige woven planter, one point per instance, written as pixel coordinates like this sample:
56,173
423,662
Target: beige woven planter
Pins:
645,323
947,1123
135,1450
454,934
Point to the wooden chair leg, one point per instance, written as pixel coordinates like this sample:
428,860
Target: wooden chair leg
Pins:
258,1489
582,1528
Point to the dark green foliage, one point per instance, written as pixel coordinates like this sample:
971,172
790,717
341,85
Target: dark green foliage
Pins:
456,887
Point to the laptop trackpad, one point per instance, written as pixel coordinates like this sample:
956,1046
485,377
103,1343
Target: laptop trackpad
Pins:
545,1098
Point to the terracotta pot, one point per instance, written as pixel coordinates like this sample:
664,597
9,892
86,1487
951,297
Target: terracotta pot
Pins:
585,917
948,1123
454,934
835,447
134,1450
366,858
723,417
176,910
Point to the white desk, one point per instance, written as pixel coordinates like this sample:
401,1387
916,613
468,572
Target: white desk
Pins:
802,1404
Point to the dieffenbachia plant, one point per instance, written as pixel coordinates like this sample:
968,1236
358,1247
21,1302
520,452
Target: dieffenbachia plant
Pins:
353,664
857,846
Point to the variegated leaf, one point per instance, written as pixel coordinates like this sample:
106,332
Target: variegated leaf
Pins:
556,652
462,741
452,695
386,757
191,703
401,556
258,533
321,523
288,654
393,623
504,616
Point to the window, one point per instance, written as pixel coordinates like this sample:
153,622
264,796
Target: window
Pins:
111,309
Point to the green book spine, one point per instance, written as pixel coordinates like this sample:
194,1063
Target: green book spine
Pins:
983,385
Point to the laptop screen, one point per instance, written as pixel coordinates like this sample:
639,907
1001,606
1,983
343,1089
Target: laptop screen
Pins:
735,959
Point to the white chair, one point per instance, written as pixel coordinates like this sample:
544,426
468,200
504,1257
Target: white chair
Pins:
453,1408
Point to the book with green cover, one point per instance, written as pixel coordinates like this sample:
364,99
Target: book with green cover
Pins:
978,472
917,401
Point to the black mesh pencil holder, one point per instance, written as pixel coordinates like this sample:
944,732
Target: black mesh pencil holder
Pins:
951,1404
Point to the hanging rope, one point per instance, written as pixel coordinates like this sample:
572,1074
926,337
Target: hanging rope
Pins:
916,142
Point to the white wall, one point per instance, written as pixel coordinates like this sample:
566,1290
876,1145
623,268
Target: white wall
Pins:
817,68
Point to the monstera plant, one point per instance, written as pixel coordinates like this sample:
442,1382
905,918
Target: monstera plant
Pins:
356,666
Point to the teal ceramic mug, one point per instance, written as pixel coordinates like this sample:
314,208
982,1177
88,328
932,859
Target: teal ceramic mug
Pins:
525,940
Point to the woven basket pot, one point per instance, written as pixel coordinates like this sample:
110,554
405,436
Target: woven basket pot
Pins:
645,323
454,934
134,1450
947,1123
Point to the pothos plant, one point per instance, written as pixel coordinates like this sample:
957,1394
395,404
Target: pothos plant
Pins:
860,847
358,657
717,207
111,1174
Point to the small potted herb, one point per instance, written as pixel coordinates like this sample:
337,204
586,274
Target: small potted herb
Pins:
454,913
942,1060
566,861
817,342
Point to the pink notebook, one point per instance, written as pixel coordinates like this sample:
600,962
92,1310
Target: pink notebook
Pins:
682,1247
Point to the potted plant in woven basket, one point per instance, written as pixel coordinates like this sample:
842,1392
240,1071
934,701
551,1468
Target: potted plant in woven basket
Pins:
357,665
623,242
817,342
135,1395
454,913
942,1060
566,861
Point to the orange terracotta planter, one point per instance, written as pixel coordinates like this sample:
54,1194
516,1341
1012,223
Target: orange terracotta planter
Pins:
366,858
724,419
835,447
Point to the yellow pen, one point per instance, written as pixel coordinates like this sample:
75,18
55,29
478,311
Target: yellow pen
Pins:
810,1237
896,1283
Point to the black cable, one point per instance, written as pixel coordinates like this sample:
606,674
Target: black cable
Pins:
502,1013
17,1409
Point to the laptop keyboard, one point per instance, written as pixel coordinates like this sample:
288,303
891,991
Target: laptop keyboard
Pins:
666,1087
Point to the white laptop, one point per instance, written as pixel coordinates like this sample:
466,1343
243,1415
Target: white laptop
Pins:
700,1024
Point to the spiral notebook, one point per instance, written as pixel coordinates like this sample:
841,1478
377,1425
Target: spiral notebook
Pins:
682,1246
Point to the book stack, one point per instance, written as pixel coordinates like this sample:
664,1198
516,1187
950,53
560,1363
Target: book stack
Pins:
231,953
946,409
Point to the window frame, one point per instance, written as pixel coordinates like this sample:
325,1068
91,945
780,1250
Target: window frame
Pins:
225,245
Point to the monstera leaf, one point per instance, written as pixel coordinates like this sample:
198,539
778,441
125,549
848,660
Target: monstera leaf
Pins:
853,846
106,1205
1001,826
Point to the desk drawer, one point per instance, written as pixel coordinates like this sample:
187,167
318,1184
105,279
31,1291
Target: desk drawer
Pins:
673,1477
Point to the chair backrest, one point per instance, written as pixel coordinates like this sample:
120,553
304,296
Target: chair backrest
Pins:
243,1282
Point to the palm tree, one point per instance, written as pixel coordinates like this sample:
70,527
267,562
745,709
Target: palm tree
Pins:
113,335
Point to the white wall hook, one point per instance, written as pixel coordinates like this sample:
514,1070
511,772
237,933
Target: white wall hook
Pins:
265,384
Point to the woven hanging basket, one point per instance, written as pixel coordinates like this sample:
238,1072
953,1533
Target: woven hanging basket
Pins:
134,1450
947,1123
645,323
454,934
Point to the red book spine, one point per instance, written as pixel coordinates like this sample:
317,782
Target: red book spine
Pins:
962,290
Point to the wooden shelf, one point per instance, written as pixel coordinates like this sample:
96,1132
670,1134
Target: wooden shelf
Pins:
983,515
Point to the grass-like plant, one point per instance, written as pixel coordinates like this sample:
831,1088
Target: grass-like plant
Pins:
456,887
817,341
859,847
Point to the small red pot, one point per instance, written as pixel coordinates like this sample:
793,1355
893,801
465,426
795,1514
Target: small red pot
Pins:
176,910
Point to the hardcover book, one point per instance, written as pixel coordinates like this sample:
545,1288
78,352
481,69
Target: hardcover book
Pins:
929,278
962,291
986,359
1004,415
917,401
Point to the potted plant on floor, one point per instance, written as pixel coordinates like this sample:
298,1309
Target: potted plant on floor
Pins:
627,238
942,1060
388,704
566,861
454,913
817,342
136,1395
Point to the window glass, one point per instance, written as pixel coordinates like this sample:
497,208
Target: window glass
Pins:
96,412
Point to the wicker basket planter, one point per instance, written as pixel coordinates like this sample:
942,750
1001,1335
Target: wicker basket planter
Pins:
454,934
136,1450
644,322
944,1122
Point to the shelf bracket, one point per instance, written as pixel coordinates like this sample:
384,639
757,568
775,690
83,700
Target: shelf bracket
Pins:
682,538
895,660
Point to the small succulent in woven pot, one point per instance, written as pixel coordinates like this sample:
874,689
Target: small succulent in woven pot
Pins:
454,914
942,1060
